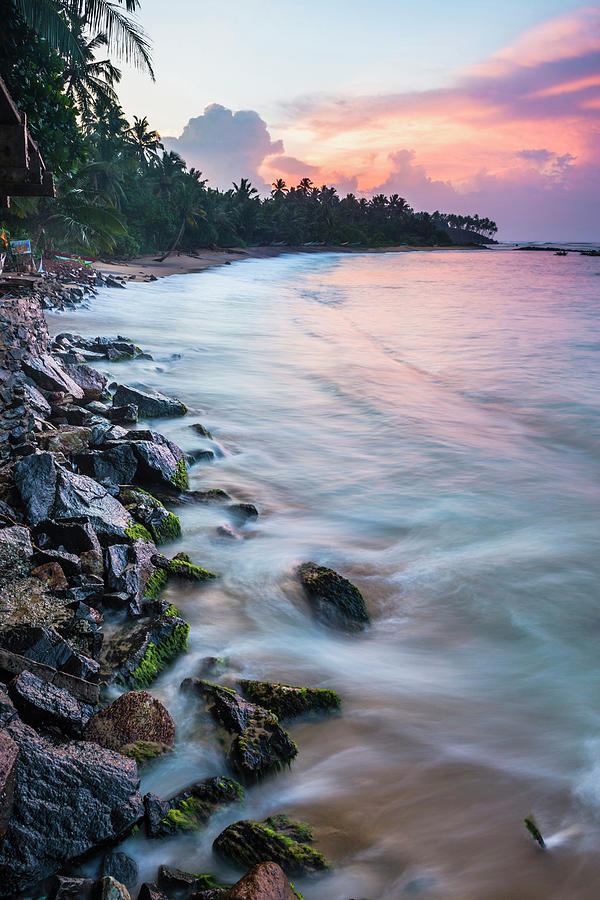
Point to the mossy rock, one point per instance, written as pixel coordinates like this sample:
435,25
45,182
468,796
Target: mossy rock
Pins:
155,521
287,701
144,751
156,584
180,881
190,809
182,567
335,601
247,843
137,532
135,657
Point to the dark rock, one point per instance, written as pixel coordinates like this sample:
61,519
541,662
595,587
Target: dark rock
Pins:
40,703
105,434
213,495
151,404
67,439
201,430
213,666
71,887
36,400
128,570
68,562
243,511
43,644
50,376
113,283
160,461
49,491
190,809
266,881
8,758
123,415
135,724
180,884
134,657
335,601
229,532
52,575
14,664
287,701
97,408
121,867
197,456
73,415
75,536
83,629
163,525
45,831
151,891
248,843
182,567
111,889
116,465
257,744
91,382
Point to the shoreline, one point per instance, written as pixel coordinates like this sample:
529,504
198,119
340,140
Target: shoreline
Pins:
147,267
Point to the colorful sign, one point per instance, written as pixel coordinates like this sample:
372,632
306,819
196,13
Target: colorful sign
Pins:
18,247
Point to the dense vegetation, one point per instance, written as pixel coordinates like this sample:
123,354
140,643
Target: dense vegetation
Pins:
119,191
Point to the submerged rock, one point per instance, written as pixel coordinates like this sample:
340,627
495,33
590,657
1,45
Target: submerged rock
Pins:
248,843
135,724
121,867
287,701
151,404
69,798
257,743
335,600
266,881
190,809
182,567
243,512
134,657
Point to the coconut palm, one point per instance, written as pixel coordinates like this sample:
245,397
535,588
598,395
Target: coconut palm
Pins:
89,81
279,189
144,142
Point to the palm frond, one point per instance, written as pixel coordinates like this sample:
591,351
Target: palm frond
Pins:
45,18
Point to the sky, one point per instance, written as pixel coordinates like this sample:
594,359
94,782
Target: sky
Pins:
467,107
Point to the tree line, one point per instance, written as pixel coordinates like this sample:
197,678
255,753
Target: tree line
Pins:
120,192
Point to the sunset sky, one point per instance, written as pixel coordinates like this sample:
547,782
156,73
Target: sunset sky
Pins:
469,107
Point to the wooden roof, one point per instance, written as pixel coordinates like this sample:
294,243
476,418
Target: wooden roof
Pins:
22,169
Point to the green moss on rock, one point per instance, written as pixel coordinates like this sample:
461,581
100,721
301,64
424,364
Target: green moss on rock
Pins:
288,701
137,532
144,751
247,843
156,584
167,530
157,656
181,566
180,478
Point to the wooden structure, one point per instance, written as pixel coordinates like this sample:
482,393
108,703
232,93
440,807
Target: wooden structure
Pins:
22,169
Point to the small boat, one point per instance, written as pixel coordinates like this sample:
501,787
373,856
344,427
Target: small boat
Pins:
561,253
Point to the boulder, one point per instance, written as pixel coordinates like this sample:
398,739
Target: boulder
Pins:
151,891
91,382
180,884
133,657
68,562
335,600
111,889
190,809
212,495
40,703
200,429
8,759
69,798
71,414
44,644
67,439
182,567
162,525
266,881
49,375
131,724
52,575
247,843
151,404
121,867
123,415
257,743
50,491
105,434
160,461
243,512
16,537
128,570
287,701
14,664
72,887
228,531
116,465
36,400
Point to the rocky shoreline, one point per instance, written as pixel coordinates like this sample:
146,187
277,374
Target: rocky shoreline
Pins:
86,501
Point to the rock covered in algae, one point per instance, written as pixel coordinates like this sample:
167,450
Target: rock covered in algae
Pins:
248,843
135,724
287,701
151,513
190,809
178,881
134,657
335,600
257,744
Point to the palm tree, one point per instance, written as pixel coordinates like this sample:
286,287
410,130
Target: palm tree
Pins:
279,189
90,80
52,21
189,209
304,186
244,191
145,143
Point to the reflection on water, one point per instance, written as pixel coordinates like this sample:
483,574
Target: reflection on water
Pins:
427,424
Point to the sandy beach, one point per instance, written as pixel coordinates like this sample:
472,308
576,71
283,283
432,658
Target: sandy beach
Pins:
142,267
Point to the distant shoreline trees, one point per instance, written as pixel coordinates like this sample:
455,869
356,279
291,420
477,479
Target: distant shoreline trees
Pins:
119,191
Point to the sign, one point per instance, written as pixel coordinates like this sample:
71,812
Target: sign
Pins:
19,247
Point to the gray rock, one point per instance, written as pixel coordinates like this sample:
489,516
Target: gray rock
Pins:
128,568
123,415
335,600
277,839
49,491
151,404
69,798
43,644
160,461
50,376
91,382
72,887
116,465
133,657
121,867
40,703
8,759
17,537
111,889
